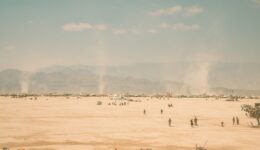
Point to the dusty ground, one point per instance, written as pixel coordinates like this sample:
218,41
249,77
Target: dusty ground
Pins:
60,123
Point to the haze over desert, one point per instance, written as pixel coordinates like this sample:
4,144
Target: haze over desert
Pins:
129,75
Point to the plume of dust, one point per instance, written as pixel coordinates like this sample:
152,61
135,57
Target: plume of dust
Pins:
101,80
102,62
196,78
24,87
24,83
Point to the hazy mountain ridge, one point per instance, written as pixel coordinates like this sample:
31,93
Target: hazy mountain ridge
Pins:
80,82
137,79
11,80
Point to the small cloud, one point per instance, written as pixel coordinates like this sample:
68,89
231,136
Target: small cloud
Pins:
83,26
77,27
178,9
101,27
165,25
120,31
167,11
127,31
190,11
180,27
152,31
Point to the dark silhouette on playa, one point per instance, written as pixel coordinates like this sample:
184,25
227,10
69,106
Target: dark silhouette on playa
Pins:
237,120
222,124
191,123
196,121
170,122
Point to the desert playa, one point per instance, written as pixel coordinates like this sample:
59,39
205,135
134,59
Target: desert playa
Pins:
129,75
58,123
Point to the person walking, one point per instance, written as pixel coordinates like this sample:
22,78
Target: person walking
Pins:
234,120
196,121
170,122
161,111
237,120
222,123
144,111
191,123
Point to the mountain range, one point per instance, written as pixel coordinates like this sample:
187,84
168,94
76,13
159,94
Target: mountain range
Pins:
142,78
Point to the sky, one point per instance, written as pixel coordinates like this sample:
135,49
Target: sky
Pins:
41,33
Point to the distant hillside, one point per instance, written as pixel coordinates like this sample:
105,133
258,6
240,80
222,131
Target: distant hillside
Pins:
78,81
12,80
229,75
177,78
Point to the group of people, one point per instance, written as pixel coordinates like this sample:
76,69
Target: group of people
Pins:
120,103
235,120
170,105
145,111
194,122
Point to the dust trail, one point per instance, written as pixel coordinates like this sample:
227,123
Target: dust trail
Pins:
101,80
196,78
24,87
102,61
24,83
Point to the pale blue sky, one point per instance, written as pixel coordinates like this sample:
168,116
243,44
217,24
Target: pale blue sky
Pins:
40,33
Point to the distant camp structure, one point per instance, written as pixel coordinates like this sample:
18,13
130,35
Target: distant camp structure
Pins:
232,98
117,97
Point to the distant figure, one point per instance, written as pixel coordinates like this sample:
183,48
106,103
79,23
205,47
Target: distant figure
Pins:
144,111
222,124
170,122
161,111
170,105
234,120
196,121
191,123
237,120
